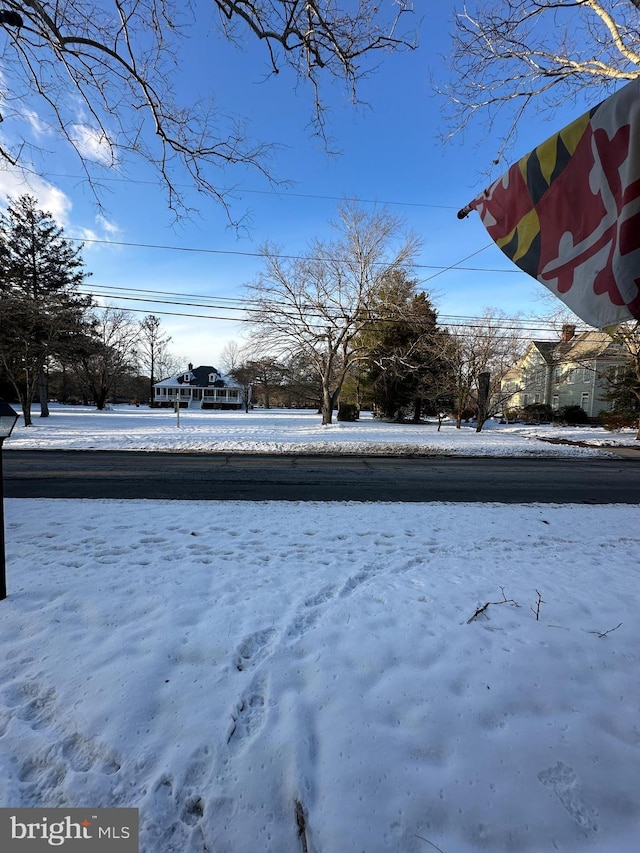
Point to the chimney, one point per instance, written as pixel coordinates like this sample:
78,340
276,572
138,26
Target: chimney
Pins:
568,331
191,366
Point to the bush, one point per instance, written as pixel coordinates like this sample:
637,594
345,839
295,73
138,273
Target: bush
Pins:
348,412
614,422
538,411
572,415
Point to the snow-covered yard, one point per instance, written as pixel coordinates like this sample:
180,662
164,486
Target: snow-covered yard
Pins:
221,666
291,431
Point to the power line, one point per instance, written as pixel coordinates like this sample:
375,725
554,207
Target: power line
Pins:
443,321
238,303
287,257
280,193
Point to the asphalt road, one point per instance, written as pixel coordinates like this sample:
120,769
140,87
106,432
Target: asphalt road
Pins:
194,476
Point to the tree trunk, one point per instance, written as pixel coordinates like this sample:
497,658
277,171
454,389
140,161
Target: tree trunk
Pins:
327,407
151,379
25,402
484,380
101,399
43,393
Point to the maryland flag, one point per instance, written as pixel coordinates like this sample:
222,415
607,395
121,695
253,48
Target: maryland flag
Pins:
569,212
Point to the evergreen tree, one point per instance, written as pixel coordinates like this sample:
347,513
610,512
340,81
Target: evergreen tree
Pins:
403,344
40,307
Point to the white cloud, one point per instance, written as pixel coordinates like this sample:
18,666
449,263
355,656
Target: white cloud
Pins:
39,128
109,227
92,144
50,199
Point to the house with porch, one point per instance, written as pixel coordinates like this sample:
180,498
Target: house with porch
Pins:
201,387
569,372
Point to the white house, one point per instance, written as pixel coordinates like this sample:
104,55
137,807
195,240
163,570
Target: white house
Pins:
201,387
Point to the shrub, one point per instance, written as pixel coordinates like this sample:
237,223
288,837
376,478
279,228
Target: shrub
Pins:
538,411
614,422
348,412
573,415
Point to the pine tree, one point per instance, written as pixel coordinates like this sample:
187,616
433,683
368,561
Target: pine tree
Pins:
40,307
403,345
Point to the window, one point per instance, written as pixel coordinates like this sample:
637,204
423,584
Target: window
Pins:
584,400
555,402
233,395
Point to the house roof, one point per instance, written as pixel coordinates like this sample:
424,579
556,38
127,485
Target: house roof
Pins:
592,344
581,347
545,348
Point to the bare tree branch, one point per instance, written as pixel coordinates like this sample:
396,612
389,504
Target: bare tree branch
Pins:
102,74
510,55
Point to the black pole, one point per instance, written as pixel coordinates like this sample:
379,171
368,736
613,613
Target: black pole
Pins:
3,574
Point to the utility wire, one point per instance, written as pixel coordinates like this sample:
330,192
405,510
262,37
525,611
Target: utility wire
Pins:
193,249
283,194
245,304
319,320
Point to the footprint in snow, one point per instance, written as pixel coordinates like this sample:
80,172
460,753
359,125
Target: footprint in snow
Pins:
563,781
325,594
354,582
249,716
253,648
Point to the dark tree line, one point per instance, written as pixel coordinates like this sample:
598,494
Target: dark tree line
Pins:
52,334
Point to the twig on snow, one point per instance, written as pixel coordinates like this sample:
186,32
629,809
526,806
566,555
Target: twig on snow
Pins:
482,609
537,608
302,825
435,846
604,633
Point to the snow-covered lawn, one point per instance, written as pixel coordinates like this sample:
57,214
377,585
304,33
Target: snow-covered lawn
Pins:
290,431
215,664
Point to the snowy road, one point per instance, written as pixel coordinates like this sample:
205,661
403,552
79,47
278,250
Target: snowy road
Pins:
184,476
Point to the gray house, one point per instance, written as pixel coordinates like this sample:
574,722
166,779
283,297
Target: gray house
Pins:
571,371
201,387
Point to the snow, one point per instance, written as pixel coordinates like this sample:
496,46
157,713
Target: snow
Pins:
213,664
292,431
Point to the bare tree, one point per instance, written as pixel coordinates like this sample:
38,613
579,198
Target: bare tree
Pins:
319,303
115,63
107,354
152,349
508,55
232,356
628,336
491,345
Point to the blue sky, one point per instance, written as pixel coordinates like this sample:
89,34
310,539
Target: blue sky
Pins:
390,154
